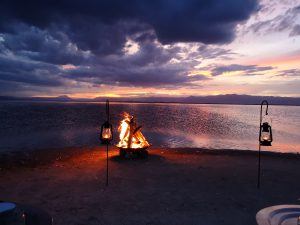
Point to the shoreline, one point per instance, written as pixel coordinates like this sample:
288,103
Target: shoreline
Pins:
40,157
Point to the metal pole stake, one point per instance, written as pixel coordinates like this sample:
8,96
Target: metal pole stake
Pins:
259,144
107,164
258,171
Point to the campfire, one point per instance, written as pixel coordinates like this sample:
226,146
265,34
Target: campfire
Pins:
131,138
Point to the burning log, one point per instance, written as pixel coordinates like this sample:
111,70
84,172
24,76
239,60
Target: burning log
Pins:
131,138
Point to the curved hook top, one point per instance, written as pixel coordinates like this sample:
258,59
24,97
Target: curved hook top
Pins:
265,102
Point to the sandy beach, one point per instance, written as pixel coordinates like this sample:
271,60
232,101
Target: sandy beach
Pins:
172,186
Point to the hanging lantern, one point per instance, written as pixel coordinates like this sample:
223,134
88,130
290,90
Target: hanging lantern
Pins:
106,134
266,137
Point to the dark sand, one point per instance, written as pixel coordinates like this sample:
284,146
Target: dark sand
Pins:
178,186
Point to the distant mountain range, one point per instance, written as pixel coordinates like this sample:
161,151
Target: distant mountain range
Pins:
213,99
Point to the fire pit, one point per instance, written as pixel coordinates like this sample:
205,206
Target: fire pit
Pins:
132,141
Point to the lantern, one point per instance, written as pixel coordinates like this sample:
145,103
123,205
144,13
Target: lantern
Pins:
106,133
266,137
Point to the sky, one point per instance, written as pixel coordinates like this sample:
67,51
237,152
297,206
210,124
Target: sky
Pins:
136,48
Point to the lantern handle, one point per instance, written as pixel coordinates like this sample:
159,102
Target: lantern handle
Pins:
261,105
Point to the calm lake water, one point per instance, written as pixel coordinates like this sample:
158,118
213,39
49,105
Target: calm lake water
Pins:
44,125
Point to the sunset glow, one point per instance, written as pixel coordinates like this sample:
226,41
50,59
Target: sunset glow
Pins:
138,57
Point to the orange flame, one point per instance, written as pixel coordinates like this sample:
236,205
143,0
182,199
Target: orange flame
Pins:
130,134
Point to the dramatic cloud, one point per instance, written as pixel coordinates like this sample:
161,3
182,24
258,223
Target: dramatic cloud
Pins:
74,46
28,72
38,58
113,42
40,45
184,20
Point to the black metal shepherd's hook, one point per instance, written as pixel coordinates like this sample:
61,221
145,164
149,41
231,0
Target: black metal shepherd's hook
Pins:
107,110
259,143
106,136
107,115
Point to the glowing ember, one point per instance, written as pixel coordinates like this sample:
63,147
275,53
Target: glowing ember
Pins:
131,136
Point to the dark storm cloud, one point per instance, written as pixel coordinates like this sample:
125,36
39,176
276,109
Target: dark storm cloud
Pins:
207,21
21,71
41,45
246,69
38,58
38,37
145,77
150,66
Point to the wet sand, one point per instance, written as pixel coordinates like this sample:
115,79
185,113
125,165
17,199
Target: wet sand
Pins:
172,186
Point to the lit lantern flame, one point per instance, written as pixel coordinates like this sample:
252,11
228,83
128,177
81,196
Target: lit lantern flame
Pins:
130,134
106,133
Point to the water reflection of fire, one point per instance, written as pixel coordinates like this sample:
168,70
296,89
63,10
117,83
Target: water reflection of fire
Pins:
131,137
